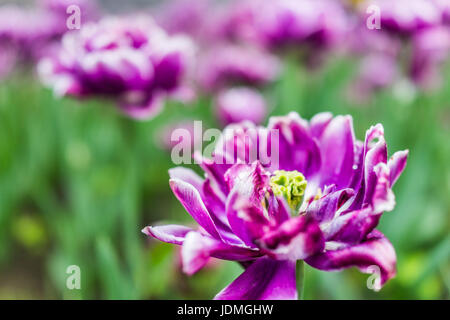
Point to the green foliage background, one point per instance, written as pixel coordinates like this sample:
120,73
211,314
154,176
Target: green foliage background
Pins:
78,181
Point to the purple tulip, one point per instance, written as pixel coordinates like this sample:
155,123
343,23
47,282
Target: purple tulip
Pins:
167,140
237,21
27,31
228,64
239,104
411,31
294,23
444,8
406,16
131,60
88,9
376,71
183,16
321,204
431,47
32,33
363,41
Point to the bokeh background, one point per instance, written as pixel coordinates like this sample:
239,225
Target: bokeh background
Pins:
79,180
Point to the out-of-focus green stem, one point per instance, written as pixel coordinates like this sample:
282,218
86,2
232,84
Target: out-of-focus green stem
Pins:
300,278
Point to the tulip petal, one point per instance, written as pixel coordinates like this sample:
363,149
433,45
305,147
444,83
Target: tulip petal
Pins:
191,200
169,233
376,155
325,208
246,220
352,227
239,143
337,152
214,205
198,248
397,164
319,122
215,171
383,197
295,239
298,148
374,254
265,279
143,111
250,180
372,154
187,175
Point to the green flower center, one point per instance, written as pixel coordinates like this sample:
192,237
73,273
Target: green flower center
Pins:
291,185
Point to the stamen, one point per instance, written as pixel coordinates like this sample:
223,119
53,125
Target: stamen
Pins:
291,185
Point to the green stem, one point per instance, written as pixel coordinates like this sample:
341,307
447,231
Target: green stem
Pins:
300,277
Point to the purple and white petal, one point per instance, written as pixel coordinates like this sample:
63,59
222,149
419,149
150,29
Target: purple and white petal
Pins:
337,152
296,239
383,197
319,123
297,148
264,279
215,171
171,233
191,200
198,248
247,220
351,227
187,175
397,164
374,254
325,208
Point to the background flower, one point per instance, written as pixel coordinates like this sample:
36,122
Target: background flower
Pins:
239,104
131,60
226,65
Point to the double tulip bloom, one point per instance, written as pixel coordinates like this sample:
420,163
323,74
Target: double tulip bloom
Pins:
407,17
225,65
287,23
131,60
417,29
320,203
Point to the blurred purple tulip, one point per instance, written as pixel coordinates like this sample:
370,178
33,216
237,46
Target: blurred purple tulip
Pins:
27,31
237,21
376,71
239,104
444,8
88,8
183,16
228,64
322,205
431,47
412,41
290,23
365,41
406,16
166,139
129,59
33,32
